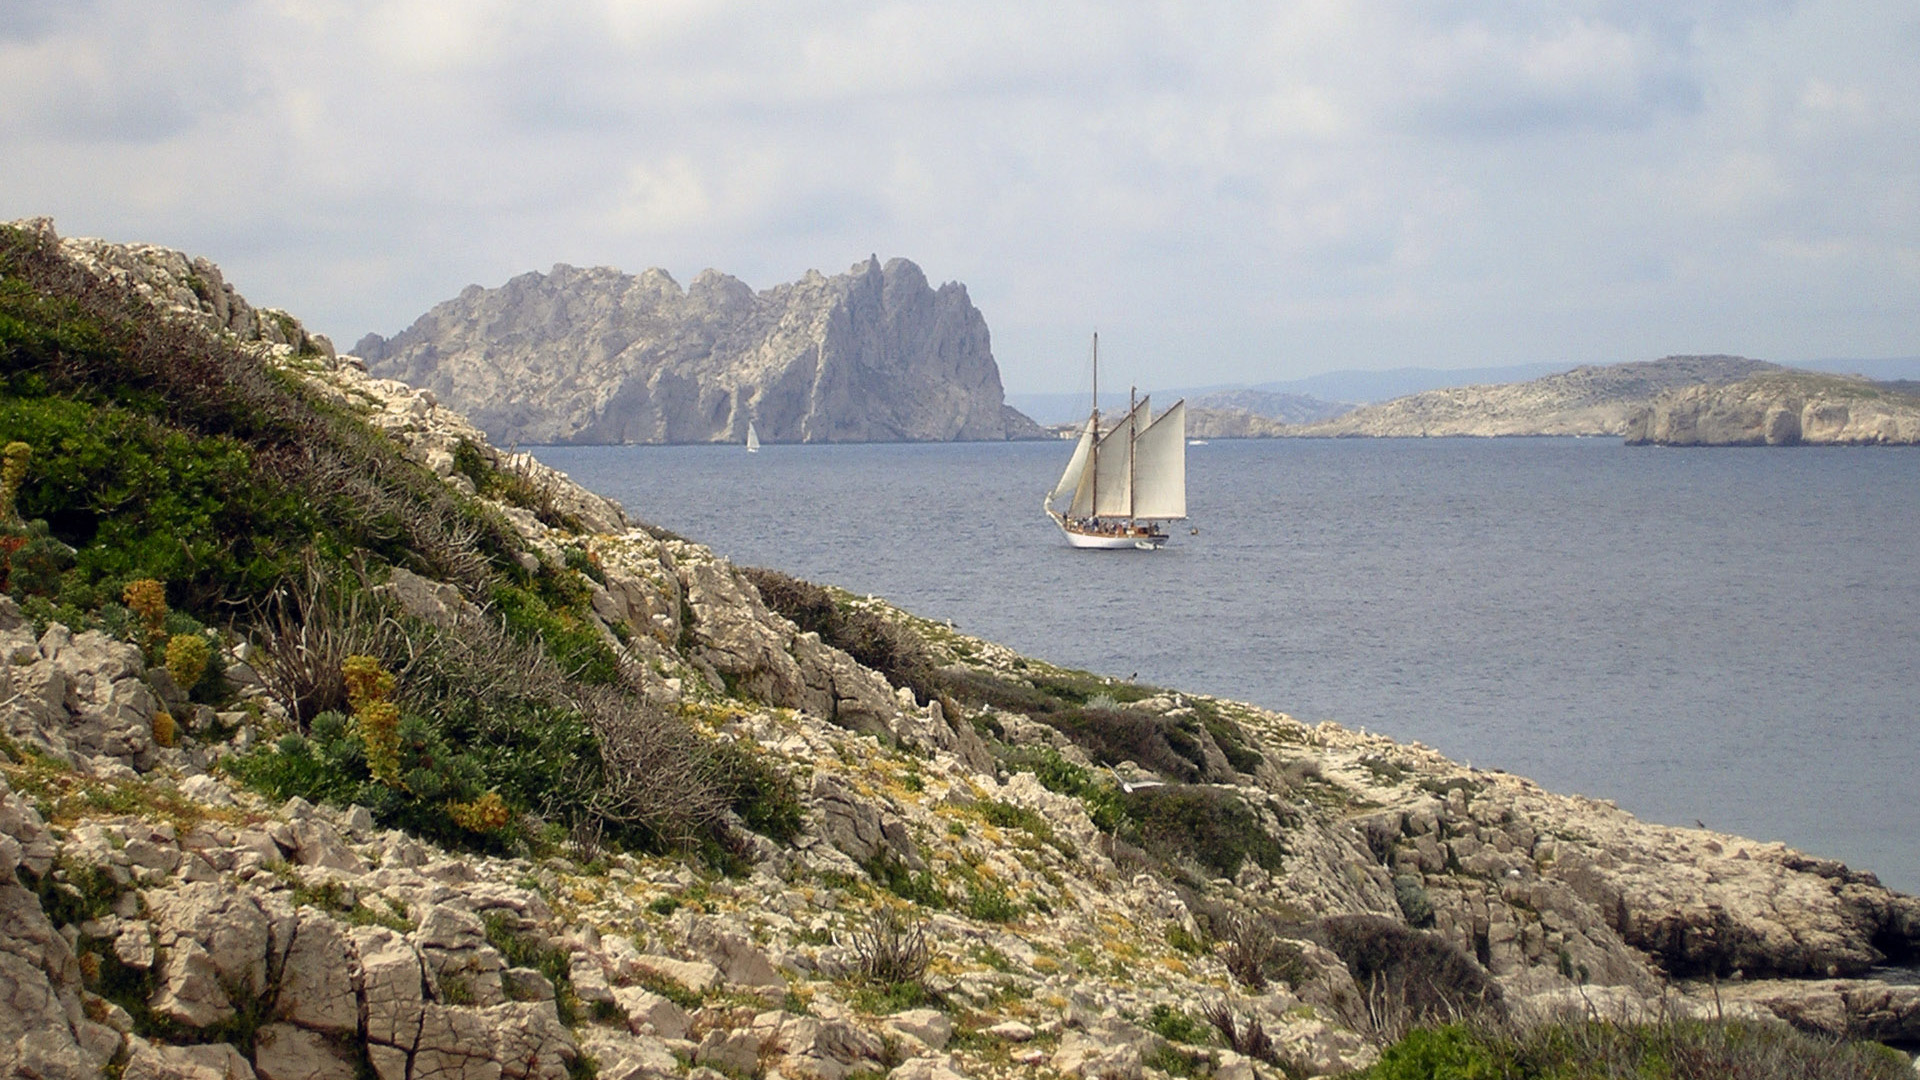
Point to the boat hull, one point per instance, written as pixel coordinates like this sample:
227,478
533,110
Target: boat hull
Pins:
1144,539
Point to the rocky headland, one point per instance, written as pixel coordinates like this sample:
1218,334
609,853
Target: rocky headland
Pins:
1781,408
876,354
1211,423
1589,400
878,846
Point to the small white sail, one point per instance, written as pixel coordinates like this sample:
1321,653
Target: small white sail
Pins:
1160,466
753,439
1076,464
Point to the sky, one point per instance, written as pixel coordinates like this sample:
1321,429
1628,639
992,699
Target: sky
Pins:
1228,192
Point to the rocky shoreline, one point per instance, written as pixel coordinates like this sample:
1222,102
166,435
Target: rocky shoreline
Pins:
1781,409
1083,867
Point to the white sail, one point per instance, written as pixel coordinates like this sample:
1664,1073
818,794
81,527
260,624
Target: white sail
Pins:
1160,466
1076,464
753,439
1106,490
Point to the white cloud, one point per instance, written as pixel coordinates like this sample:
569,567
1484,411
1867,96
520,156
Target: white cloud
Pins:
1249,191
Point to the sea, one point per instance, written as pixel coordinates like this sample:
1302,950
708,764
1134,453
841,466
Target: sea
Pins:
1725,636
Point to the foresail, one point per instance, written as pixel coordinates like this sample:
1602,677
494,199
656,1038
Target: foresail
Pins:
1160,466
1076,464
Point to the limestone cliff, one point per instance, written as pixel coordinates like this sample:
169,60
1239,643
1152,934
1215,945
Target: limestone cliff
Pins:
598,356
1592,400
1780,409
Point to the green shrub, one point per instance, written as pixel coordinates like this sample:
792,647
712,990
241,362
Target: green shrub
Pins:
1211,828
1229,737
1178,1025
895,876
566,632
1168,746
765,798
990,903
1447,1053
428,783
1579,1049
1411,894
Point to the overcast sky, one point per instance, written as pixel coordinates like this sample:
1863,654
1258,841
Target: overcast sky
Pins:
1228,191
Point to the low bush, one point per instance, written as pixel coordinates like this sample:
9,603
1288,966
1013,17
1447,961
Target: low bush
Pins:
1209,829
1411,894
1250,943
990,903
916,887
1588,1049
1177,1025
891,949
1409,977
766,799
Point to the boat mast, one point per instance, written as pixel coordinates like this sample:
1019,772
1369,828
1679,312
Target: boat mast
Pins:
1133,432
1093,459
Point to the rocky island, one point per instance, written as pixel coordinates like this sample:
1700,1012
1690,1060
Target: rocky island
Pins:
1781,408
598,356
340,743
1589,400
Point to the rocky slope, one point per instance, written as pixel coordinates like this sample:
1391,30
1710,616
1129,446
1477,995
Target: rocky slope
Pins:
1592,400
1070,874
598,356
1780,409
1212,423
1287,408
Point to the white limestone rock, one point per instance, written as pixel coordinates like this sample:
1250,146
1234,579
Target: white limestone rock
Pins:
598,356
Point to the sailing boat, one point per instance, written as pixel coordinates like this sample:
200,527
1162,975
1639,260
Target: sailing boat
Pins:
753,439
1123,480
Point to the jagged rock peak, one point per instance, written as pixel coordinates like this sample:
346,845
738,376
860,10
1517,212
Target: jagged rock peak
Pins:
600,356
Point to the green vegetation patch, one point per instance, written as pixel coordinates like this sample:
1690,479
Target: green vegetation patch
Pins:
1055,773
1211,828
162,452
1602,1050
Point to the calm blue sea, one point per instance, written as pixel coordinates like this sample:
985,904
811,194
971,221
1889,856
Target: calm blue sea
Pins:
1727,635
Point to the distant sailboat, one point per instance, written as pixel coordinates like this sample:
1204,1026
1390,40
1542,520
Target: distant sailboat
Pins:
753,439
1123,480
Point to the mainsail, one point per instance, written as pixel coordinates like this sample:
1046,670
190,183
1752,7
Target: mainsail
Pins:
753,439
1106,490
1160,466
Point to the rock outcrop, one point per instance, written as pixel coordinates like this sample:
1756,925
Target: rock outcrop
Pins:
597,356
157,919
1593,400
1780,409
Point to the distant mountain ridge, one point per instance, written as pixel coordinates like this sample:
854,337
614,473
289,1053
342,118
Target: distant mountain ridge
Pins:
599,356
